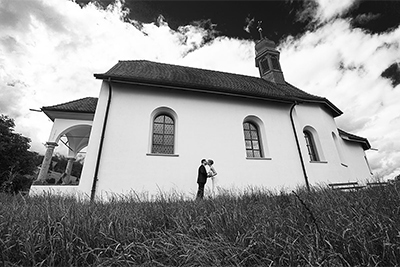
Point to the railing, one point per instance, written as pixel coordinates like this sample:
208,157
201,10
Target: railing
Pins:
376,184
356,186
346,186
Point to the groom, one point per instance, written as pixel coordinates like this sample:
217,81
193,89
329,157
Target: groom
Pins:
201,179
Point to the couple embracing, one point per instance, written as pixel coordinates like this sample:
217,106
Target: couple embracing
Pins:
206,170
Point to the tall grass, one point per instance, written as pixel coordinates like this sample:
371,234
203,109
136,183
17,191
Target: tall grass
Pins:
252,228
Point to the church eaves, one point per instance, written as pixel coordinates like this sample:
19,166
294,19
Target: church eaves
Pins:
209,81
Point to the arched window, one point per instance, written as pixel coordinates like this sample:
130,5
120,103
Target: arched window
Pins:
163,135
252,140
311,147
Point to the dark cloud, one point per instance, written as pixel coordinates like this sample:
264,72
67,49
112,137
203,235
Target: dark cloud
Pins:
360,69
161,21
209,27
249,24
386,46
376,16
392,73
362,19
308,12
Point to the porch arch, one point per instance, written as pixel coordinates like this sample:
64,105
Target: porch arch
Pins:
77,138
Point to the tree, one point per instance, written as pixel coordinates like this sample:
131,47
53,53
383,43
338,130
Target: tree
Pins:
15,158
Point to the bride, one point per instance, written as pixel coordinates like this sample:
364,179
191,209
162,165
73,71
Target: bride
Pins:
212,173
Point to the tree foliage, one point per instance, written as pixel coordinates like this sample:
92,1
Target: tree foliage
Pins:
15,158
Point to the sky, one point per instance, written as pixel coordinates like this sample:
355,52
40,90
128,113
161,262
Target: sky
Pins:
345,50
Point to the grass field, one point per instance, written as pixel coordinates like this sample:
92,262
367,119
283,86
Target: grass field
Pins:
253,228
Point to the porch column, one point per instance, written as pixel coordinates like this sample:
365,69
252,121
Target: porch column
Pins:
68,170
70,163
46,160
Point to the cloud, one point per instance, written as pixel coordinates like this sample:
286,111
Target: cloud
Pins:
249,24
321,11
365,18
392,73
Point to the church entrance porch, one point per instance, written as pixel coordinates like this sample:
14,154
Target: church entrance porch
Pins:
63,161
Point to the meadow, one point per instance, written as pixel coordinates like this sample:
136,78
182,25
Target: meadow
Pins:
256,227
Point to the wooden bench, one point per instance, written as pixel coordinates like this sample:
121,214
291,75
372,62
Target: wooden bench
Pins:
375,184
346,186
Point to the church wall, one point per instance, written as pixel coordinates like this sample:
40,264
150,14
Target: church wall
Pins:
207,127
85,183
332,167
356,161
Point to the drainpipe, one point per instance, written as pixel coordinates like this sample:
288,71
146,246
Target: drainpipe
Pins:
298,145
96,171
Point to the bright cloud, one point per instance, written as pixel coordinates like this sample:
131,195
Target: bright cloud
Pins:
328,9
322,11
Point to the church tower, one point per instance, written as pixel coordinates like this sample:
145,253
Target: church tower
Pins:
267,61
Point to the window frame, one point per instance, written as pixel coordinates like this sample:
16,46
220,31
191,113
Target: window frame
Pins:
311,146
257,134
275,64
265,65
164,146
163,111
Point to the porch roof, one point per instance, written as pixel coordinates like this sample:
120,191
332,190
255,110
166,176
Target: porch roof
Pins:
85,105
355,138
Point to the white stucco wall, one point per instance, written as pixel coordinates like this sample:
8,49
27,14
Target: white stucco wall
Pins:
345,165
356,161
207,126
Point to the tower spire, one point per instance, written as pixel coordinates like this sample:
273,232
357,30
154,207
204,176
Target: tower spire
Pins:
267,59
260,29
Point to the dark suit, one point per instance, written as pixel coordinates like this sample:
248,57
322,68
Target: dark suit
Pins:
201,180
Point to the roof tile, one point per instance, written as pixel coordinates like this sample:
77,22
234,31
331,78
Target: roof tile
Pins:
84,105
207,80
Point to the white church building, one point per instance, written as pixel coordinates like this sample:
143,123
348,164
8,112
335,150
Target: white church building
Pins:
153,123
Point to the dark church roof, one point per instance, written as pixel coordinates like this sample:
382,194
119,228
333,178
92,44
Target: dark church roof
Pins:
355,138
84,105
209,81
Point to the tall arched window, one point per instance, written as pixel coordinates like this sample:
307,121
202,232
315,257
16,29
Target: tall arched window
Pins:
311,147
252,140
163,135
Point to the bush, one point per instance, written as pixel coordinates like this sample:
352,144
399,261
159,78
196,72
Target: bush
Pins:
15,159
